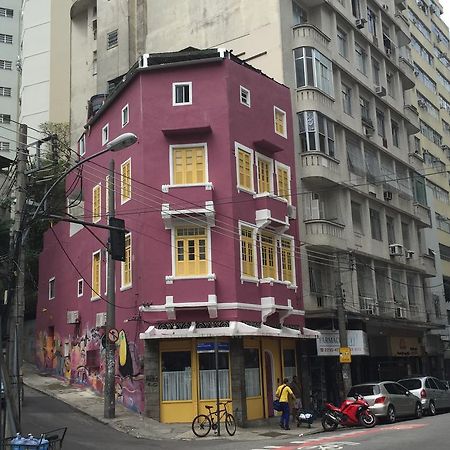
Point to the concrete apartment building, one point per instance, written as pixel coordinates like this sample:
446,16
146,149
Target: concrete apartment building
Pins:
429,47
363,207
9,79
44,61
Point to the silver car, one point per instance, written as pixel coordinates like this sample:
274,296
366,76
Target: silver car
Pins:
388,400
433,393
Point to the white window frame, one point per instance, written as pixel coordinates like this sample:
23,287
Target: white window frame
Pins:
255,253
246,92
288,168
98,295
125,110
51,291
271,162
82,145
290,238
248,150
277,268
176,224
275,109
80,282
177,146
122,200
123,286
105,134
174,89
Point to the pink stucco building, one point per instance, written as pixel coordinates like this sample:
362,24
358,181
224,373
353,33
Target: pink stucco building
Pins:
208,196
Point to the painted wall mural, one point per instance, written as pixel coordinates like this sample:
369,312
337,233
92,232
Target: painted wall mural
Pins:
80,360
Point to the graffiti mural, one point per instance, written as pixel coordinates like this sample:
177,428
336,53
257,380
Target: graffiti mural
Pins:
79,359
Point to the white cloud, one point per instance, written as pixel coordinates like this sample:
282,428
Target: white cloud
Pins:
446,16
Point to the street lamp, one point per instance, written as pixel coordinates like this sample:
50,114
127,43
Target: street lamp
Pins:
119,143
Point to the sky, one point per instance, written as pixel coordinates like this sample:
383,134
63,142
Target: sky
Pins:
446,16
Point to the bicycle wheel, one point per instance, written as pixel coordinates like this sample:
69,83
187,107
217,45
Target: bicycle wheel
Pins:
230,424
201,425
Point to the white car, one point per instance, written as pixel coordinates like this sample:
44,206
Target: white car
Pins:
433,393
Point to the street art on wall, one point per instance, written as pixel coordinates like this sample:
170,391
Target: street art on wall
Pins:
79,359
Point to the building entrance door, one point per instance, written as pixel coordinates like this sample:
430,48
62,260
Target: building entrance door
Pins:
268,363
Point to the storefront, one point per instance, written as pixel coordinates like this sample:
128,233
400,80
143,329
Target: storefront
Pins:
249,370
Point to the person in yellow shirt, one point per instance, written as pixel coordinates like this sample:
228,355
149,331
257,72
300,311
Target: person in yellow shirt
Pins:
283,393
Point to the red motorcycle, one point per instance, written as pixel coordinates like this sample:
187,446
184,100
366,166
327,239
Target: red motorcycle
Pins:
350,413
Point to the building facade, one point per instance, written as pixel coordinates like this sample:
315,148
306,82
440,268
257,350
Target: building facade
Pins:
9,51
212,248
44,63
429,46
363,200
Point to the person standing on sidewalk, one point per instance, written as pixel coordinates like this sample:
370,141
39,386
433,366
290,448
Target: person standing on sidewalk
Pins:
283,393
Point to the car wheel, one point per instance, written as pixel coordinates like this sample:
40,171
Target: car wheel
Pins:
418,411
432,408
391,418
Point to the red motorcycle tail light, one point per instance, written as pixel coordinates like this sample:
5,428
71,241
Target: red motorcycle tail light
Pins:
380,400
423,393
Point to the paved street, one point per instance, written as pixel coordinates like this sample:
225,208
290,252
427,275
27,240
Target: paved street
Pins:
43,413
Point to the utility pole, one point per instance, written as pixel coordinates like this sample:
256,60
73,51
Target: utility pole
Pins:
110,355
17,295
343,340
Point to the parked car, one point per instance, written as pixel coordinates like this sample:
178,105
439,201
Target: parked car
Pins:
389,400
433,393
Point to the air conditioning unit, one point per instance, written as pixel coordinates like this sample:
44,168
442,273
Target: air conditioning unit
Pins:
445,147
386,7
380,91
442,105
416,72
292,212
422,103
400,312
409,254
375,41
73,317
387,195
368,131
395,249
360,23
100,319
388,51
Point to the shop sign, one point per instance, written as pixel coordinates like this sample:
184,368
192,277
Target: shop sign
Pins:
328,343
208,347
405,346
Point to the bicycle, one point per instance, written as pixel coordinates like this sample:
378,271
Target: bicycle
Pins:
202,424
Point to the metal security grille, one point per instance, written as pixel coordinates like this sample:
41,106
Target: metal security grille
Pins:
6,38
5,91
6,12
5,65
112,39
4,146
5,118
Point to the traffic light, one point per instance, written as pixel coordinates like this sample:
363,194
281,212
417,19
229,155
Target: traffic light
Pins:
117,238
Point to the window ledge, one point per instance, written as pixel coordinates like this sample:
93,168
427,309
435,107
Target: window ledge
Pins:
165,187
96,298
126,288
171,278
270,195
247,191
245,279
124,200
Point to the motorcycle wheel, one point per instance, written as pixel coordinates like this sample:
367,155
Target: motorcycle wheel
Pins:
367,419
328,424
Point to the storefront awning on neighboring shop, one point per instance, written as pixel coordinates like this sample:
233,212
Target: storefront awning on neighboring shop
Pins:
232,329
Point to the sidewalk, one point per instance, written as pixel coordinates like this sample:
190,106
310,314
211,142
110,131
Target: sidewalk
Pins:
136,425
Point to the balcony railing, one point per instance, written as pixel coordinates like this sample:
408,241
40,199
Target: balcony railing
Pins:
429,265
310,98
324,233
422,212
308,35
322,301
412,115
319,165
407,69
